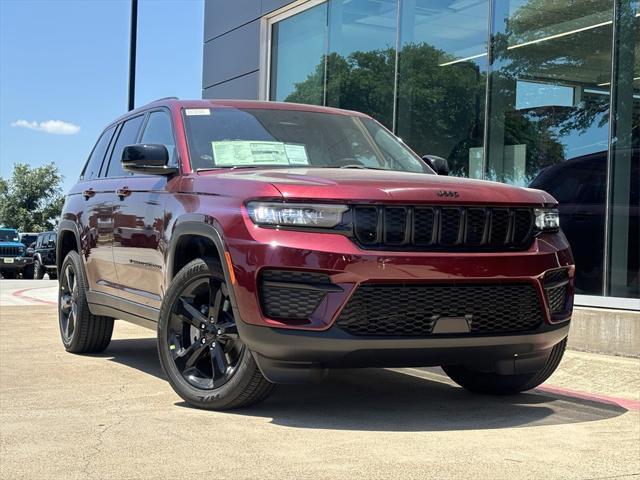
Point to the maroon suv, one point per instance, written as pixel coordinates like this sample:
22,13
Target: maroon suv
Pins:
270,242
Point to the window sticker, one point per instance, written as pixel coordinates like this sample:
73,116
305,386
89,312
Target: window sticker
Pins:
191,112
244,152
297,154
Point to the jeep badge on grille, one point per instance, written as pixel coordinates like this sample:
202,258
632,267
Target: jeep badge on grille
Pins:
448,193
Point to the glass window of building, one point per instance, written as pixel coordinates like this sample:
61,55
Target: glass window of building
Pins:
548,122
624,168
362,56
298,49
442,72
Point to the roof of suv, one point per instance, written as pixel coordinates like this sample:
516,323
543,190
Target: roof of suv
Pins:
172,102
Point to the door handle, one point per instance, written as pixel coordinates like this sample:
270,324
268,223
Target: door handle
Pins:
88,193
123,192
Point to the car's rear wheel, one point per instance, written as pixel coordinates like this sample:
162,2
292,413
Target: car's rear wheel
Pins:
495,384
198,343
80,330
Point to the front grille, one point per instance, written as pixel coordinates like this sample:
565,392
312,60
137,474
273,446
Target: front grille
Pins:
556,284
10,251
442,228
412,310
292,295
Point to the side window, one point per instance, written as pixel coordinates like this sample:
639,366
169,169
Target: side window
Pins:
127,136
39,241
159,131
92,168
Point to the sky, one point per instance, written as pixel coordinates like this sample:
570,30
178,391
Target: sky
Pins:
64,72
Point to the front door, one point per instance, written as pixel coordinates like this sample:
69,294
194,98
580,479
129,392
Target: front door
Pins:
139,220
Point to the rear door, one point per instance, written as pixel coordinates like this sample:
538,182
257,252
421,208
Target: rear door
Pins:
139,220
95,216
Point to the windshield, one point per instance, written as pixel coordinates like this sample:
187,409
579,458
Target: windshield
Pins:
231,137
8,236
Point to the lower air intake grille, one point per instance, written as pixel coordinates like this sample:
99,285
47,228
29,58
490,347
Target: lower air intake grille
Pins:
556,283
411,310
291,295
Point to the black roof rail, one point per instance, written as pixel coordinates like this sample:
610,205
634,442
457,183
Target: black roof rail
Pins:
164,98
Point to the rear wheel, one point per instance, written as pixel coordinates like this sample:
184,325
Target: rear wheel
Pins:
198,343
80,330
495,384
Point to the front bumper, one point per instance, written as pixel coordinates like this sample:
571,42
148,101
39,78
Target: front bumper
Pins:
295,356
18,263
253,249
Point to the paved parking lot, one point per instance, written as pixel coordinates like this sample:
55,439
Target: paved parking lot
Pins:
112,416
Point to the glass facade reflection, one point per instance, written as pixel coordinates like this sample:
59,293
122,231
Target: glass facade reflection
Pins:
540,93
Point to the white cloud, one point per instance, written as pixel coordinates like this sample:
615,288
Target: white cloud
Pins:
57,127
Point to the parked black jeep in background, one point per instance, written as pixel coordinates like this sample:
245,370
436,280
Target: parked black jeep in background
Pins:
44,256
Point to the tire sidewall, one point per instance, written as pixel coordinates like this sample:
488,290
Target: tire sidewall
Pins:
213,398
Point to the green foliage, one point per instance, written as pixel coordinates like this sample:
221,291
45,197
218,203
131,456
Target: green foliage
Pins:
31,200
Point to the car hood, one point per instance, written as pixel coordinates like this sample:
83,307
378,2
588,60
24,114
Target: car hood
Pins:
11,244
386,186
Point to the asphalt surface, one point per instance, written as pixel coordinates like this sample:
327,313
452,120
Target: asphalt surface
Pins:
113,416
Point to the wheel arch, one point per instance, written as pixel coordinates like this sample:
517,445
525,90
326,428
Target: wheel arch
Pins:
192,239
68,239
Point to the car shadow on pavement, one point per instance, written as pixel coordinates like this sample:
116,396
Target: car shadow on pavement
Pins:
386,400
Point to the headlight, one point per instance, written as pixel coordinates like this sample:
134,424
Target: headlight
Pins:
547,219
296,214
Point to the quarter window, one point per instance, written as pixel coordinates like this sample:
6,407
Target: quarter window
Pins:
92,168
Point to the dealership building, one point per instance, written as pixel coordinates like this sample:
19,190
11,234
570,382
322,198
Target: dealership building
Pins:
540,93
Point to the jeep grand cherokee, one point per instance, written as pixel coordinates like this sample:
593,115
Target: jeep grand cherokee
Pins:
269,242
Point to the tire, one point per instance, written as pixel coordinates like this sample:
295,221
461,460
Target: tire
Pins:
9,275
496,384
80,330
38,270
203,356
28,272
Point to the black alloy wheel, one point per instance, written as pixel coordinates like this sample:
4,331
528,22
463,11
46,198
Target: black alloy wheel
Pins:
202,335
68,303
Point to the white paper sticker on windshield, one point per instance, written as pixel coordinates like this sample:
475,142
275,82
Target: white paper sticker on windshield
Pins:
190,112
297,154
244,152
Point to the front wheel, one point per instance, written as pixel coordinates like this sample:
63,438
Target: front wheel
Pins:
495,384
38,270
198,343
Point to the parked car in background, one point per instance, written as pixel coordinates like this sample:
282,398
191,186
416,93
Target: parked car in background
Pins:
44,256
268,242
14,260
28,239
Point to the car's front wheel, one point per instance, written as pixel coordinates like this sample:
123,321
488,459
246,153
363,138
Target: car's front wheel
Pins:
38,270
496,384
198,343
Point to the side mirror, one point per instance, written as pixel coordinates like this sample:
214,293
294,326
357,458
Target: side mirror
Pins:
439,164
147,158
30,252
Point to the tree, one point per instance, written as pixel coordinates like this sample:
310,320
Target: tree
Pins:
31,200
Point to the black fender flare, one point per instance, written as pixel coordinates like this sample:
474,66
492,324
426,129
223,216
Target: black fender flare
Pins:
66,226
204,229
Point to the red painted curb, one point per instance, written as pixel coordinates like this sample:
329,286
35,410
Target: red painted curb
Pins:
620,402
20,294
